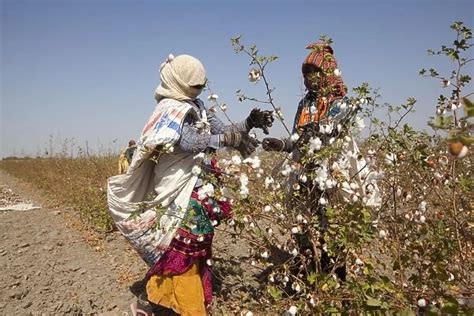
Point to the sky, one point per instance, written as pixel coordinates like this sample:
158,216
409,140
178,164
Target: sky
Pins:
87,70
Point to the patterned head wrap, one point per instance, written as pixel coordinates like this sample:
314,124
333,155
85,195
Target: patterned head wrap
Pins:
182,78
322,56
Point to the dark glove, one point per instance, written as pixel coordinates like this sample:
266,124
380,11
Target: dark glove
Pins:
273,144
241,141
231,139
247,145
260,119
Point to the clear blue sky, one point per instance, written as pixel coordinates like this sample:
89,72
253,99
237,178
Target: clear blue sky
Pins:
88,69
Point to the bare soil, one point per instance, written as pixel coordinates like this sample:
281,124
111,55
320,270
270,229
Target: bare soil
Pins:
53,265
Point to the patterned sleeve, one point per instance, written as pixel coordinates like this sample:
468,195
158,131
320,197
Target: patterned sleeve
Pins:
193,141
218,127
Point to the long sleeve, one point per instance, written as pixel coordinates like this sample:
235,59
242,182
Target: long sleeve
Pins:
193,141
218,127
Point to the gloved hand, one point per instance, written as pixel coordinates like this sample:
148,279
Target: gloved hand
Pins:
241,141
247,145
273,144
231,139
260,119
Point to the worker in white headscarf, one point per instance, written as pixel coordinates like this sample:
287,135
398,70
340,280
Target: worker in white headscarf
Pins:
165,194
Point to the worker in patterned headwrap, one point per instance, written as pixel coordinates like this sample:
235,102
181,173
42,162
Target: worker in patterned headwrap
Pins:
325,89
321,104
162,206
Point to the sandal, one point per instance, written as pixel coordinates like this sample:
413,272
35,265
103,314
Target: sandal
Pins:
142,307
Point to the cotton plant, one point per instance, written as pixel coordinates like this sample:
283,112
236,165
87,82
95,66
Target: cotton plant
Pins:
397,210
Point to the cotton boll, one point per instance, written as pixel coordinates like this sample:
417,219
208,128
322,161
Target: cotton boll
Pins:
196,170
236,160
295,137
421,302
292,310
303,178
254,75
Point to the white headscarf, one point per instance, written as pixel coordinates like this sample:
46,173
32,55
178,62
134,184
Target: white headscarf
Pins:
178,76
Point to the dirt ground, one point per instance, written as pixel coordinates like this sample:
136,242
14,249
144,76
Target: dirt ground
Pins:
52,265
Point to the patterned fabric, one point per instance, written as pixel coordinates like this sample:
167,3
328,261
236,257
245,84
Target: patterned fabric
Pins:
134,198
322,56
305,114
193,240
192,140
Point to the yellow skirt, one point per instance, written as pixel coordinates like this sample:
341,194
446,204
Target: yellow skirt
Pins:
182,293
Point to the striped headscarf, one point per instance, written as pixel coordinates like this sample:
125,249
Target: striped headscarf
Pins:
322,56
179,77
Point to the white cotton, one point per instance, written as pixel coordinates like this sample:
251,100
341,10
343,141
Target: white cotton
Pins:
337,72
268,181
295,286
315,144
295,230
205,191
236,160
293,310
359,123
421,302
295,137
330,183
328,129
267,208
323,201
390,159
254,75
303,178
199,156
196,170
256,164
422,206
